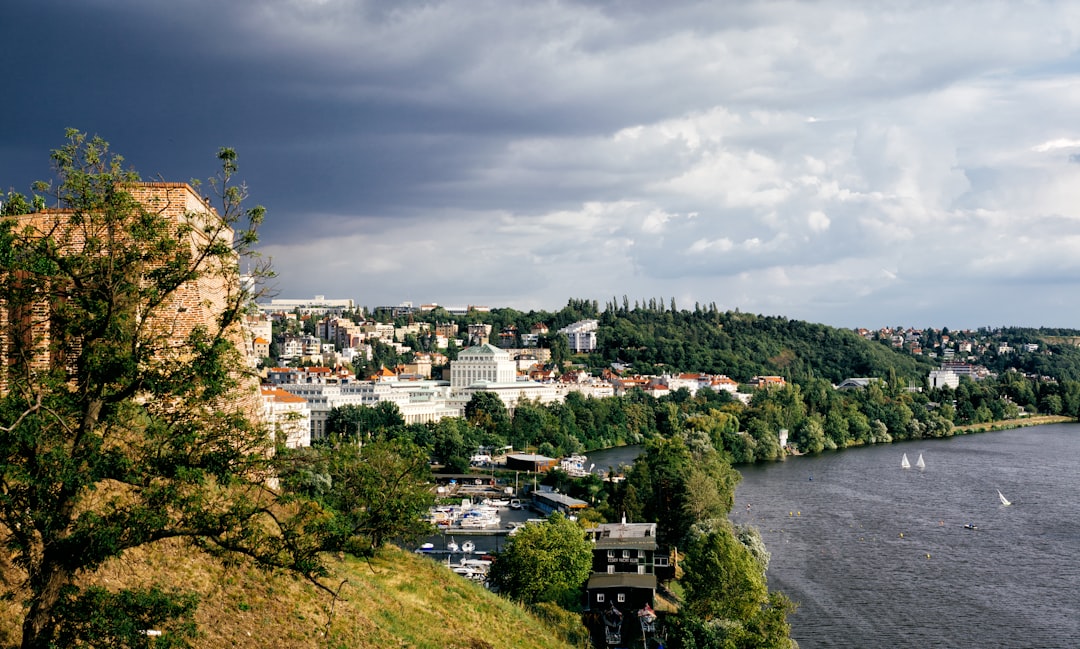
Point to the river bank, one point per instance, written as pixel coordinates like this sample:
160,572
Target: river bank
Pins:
1037,420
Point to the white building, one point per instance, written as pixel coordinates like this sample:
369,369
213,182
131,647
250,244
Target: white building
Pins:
941,378
582,335
486,363
317,305
419,402
288,415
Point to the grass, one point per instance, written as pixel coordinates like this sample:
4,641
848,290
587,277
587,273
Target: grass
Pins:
1035,420
397,599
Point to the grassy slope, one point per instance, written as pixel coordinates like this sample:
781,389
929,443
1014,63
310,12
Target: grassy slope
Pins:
396,600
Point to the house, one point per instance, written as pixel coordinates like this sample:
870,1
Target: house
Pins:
530,462
260,347
942,378
288,415
856,383
582,335
626,565
549,502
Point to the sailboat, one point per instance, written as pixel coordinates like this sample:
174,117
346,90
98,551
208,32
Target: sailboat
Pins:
920,463
1004,501
904,464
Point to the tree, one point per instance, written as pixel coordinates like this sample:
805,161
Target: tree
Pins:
726,593
374,494
486,411
362,423
125,414
544,562
559,345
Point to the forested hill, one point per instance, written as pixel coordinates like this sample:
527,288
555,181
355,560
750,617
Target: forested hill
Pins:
743,345
657,337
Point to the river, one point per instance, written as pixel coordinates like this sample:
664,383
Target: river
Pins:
878,556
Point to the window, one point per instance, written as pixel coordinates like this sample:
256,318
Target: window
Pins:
641,570
600,597
626,554
611,570
622,597
611,554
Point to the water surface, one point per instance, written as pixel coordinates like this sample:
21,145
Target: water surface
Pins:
878,556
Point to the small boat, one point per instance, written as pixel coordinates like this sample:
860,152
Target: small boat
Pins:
920,463
467,547
970,526
426,547
904,464
452,546
1004,501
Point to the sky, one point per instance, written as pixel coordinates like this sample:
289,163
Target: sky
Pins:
858,164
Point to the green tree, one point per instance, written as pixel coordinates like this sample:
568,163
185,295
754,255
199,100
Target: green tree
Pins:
544,562
372,494
486,411
724,580
452,444
118,430
559,345
364,423
810,436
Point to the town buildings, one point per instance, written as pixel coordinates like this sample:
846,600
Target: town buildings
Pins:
582,335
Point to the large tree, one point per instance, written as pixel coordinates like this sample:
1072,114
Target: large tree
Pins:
727,602
544,562
125,411
486,411
372,494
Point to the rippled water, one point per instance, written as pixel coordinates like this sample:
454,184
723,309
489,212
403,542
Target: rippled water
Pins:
878,556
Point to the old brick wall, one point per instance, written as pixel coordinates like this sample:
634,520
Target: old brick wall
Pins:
196,304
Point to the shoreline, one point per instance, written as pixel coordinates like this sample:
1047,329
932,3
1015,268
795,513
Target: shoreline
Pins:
1008,424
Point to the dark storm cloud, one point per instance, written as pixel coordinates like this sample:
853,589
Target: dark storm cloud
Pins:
820,160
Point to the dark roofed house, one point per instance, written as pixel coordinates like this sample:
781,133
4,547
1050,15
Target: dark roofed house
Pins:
626,561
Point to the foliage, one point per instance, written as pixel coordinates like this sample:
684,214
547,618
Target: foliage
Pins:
118,430
678,482
372,494
727,602
544,562
361,423
95,617
486,411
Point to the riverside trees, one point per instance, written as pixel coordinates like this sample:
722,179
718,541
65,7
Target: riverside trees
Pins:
126,417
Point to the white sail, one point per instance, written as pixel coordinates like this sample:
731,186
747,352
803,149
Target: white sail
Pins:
904,464
920,463
1004,501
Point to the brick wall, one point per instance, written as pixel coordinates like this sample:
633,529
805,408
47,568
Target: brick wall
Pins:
197,303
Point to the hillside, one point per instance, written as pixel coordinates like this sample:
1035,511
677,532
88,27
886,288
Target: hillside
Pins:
743,345
396,600
654,338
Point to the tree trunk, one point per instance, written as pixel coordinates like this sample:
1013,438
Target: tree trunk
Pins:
38,626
